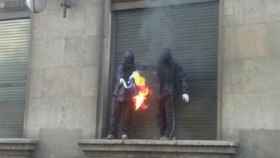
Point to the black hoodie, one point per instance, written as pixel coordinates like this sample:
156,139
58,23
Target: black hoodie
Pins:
172,79
125,69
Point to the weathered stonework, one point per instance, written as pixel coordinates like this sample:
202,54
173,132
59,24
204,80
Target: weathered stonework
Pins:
17,148
249,67
157,148
249,75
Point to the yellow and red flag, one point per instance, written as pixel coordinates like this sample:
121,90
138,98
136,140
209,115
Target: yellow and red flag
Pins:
142,91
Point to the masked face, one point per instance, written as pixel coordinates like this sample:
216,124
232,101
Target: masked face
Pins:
128,58
166,57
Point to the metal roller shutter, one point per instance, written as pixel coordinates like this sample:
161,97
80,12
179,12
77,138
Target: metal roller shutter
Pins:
14,48
191,31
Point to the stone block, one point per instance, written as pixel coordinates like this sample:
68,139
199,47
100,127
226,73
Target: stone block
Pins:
31,114
229,7
53,80
252,41
272,10
259,143
78,113
49,24
157,148
47,52
62,81
74,51
59,143
273,38
246,41
72,81
233,13
82,51
257,111
253,11
17,148
89,81
230,48
251,76
248,108
93,17
61,112
36,83
75,21
92,48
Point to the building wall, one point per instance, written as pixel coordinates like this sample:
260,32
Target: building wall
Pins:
250,78
63,76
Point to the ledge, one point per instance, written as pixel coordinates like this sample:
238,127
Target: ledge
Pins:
17,147
155,3
158,148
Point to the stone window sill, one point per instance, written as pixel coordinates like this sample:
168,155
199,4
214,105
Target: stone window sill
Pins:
158,148
17,147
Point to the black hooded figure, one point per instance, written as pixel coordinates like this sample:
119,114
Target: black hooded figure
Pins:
122,98
173,86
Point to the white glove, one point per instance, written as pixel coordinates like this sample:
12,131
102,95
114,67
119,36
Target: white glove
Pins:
122,81
125,84
186,98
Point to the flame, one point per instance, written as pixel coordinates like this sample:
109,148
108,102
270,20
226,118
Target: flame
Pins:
142,91
140,98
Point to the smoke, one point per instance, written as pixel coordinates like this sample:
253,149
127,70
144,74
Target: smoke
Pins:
158,27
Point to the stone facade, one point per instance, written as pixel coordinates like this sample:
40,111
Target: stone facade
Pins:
63,76
158,149
64,72
64,68
250,78
17,148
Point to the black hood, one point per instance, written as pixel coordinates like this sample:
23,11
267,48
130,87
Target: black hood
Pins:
128,65
128,58
166,57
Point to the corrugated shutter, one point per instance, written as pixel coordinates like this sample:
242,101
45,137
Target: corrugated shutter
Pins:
122,1
14,48
191,31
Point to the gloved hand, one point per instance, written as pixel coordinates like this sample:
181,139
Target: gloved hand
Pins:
186,98
125,84
122,80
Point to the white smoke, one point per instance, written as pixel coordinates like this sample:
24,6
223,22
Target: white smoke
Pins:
158,25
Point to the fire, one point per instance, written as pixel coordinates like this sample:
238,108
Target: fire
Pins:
140,98
142,91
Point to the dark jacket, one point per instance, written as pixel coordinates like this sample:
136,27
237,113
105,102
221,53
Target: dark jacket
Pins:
172,79
124,70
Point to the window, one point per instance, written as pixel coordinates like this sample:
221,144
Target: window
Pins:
14,49
191,31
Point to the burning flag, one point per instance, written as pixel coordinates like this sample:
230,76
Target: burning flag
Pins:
142,91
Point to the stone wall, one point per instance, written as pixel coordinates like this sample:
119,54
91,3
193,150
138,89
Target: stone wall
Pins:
17,148
64,68
250,77
157,148
63,75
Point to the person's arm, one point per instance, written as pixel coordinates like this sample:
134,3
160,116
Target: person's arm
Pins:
119,75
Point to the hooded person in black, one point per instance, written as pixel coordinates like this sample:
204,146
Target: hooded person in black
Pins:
173,86
122,98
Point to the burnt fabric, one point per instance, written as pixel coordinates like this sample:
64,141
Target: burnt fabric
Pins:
122,97
173,83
